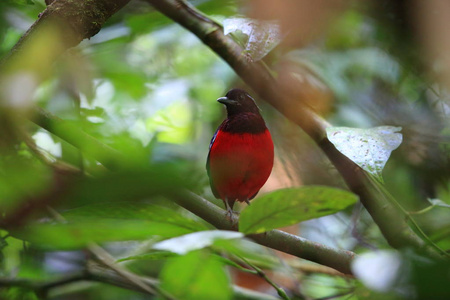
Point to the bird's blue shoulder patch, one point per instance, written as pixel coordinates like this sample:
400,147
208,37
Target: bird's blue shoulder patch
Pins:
213,138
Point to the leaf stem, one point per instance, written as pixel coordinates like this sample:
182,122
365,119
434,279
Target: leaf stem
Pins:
263,275
422,211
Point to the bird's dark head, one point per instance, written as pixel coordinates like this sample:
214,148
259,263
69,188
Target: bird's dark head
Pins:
239,101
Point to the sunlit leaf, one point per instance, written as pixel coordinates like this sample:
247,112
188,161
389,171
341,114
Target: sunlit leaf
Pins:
293,205
173,123
44,141
368,148
262,36
196,276
194,241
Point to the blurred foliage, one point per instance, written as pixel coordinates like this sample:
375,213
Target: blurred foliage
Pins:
146,87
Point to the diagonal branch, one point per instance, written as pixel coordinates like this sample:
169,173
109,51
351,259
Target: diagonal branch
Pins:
386,214
279,240
75,20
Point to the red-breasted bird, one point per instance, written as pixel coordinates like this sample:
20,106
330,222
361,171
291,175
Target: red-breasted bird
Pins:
240,155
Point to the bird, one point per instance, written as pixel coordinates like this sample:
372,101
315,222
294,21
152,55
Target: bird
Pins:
241,152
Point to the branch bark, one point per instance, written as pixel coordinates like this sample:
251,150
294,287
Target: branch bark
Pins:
75,21
386,214
279,240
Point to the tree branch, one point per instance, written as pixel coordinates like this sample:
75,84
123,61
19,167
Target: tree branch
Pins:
279,240
263,275
389,218
75,21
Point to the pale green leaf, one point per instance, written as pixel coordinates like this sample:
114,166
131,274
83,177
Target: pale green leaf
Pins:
368,148
262,36
197,240
438,202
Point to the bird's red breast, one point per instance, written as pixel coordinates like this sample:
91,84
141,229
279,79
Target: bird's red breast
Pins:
241,153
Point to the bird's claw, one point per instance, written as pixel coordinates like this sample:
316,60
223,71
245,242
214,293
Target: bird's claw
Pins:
231,216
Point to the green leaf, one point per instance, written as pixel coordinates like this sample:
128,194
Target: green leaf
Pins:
161,179
368,148
17,293
134,211
293,205
22,2
196,276
21,179
109,222
195,241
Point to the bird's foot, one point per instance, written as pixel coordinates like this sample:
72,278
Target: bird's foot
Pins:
229,214
232,217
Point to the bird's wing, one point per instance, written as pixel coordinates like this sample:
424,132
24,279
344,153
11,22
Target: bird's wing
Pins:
216,194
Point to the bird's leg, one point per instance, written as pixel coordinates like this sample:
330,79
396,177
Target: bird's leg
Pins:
229,213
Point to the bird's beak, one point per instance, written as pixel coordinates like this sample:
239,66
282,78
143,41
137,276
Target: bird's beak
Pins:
226,101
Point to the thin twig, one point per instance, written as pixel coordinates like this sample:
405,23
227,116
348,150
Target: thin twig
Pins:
263,275
422,211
